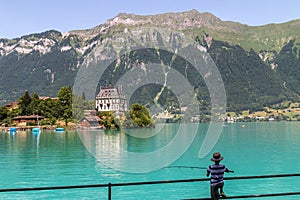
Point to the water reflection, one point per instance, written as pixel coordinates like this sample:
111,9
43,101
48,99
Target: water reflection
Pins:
130,140
12,135
125,151
36,141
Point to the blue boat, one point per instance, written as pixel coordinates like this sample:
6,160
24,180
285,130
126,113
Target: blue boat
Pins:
13,130
36,131
60,130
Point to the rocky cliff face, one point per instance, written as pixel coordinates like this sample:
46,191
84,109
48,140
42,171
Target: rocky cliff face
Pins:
46,61
43,43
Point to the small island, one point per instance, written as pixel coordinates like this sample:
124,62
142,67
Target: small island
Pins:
112,109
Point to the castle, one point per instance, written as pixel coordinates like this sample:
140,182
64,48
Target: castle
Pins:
111,99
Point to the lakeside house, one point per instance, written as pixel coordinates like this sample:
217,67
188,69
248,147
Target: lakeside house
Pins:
12,105
111,99
31,118
91,122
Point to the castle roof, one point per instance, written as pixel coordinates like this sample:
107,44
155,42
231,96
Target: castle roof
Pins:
110,92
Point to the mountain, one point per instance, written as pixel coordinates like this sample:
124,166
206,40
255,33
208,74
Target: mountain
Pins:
258,64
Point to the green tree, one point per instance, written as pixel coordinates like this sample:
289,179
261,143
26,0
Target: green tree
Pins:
80,104
65,100
24,106
3,113
83,95
50,109
108,120
140,115
78,107
34,104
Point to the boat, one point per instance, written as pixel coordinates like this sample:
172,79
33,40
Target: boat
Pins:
60,130
36,130
13,130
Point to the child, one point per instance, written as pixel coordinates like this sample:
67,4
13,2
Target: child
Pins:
217,173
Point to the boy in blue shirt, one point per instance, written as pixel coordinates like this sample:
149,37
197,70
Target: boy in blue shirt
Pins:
217,174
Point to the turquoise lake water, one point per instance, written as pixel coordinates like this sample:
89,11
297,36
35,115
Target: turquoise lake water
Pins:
60,159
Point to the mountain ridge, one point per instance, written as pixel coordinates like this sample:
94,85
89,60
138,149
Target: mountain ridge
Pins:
51,59
235,33
188,21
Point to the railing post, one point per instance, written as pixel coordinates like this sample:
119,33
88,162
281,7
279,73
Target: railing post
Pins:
109,191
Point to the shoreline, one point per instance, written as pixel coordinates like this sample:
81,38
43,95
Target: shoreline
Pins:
29,128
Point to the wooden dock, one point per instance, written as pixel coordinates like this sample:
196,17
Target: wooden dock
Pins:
26,128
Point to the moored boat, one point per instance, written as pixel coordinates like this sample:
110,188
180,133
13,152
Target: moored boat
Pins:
13,130
60,130
36,130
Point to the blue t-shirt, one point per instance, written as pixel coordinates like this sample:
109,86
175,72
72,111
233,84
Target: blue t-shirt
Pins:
217,173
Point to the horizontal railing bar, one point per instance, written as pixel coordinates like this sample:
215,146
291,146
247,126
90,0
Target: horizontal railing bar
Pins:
100,185
54,188
202,179
143,183
261,176
252,196
160,182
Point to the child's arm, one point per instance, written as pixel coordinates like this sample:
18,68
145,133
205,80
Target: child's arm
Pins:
227,170
207,172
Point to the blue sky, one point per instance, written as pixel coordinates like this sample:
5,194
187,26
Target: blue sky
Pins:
19,18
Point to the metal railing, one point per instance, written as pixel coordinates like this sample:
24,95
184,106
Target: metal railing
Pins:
110,185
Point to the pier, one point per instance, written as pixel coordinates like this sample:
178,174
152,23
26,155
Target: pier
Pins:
26,128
